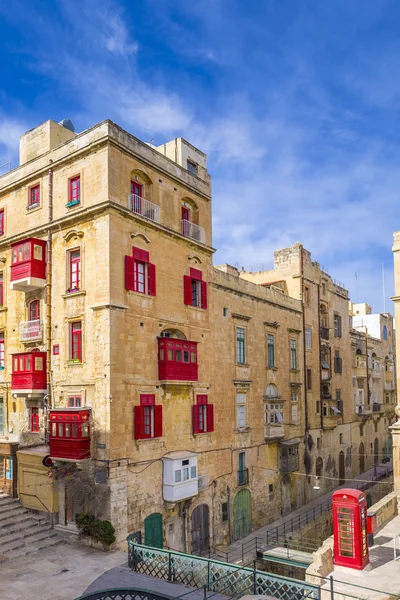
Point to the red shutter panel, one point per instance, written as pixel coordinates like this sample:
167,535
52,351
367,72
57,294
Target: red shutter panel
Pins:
196,274
141,255
158,421
151,270
210,417
138,413
187,289
129,271
196,420
203,294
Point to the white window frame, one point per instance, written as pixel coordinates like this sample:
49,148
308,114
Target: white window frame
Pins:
308,338
272,410
241,410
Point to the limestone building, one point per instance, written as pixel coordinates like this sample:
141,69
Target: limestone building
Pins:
210,397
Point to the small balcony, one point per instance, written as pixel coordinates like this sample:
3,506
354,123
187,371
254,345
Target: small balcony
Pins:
144,208
361,368
376,371
243,477
28,265
193,231
31,331
324,333
363,409
377,407
273,431
177,360
389,375
330,421
389,385
69,434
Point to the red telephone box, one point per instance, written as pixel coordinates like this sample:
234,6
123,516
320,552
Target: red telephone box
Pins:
349,508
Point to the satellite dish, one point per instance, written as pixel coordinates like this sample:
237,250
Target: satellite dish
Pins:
67,124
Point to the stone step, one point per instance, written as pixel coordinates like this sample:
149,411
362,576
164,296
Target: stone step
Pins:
13,511
23,532
19,521
4,500
21,552
28,540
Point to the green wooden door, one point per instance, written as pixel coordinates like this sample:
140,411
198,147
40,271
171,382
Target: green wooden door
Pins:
242,514
153,534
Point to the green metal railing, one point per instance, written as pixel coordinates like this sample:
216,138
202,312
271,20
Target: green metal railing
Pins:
215,576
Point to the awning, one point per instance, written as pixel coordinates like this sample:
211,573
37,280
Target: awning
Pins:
324,365
292,442
335,410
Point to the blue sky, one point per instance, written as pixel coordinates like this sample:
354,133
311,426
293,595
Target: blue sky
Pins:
296,104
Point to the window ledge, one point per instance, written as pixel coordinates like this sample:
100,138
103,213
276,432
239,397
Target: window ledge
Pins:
272,368
140,294
33,208
73,204
74,363
203,434
3,308
242,429
196,307
244,365
73,293
295,370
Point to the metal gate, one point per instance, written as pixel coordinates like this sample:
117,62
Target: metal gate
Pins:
153,534
200,523
242,514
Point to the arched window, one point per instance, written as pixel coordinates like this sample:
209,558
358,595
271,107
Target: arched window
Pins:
34,310
272,391
319,466
384,332
173,333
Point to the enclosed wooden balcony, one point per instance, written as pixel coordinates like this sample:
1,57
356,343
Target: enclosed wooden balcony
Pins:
28,375
28,265
31,331
177,360
69,434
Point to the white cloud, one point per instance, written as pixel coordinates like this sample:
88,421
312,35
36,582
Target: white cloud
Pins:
116,39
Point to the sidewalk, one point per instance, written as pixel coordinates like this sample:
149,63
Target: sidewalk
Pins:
296,519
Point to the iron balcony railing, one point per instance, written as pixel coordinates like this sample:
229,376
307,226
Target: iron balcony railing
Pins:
144,208
193,231
31,331
324,332
243,477
363,409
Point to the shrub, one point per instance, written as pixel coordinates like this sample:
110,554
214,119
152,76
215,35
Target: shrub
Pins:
102,531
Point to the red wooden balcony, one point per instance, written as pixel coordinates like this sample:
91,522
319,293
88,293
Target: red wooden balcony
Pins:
177,360
29,373
28,265
69,434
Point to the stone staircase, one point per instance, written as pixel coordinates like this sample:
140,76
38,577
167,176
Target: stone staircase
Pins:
22,531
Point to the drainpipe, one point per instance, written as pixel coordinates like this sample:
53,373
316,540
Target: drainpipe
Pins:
48,291
304,341
319,359
229,515
185,537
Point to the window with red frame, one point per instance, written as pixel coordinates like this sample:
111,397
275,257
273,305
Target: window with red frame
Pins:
2,350
76,341
34,196
34,310
136,197
195,289
35,420
185,218
2,230
147,418
75,190
74,401
1,289
140,273
74,269
203,415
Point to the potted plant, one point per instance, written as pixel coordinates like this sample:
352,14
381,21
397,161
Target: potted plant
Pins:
95,532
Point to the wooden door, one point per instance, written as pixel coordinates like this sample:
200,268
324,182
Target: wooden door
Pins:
242,514
153,534
200,526
361,453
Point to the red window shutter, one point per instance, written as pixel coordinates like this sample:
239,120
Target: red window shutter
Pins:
196,418
203,294
202,399
187,289
138,420
158,421
210,417
151,271
196,274
147,399
140,255
129,272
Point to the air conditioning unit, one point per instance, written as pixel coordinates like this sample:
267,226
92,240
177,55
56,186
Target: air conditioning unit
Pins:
203,482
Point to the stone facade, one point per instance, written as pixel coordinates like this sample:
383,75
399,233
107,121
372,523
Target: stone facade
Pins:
255,345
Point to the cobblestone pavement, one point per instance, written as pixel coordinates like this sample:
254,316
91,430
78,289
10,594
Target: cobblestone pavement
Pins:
60,573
